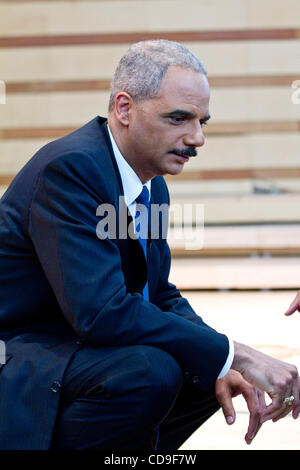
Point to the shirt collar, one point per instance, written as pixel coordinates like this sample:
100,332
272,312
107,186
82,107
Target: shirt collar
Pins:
132,184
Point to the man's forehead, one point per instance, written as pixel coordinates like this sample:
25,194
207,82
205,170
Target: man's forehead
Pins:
184,85
184,77
183,104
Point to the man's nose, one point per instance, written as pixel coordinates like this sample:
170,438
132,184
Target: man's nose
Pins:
195,138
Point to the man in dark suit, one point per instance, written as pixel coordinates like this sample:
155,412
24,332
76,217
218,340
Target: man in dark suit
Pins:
102,350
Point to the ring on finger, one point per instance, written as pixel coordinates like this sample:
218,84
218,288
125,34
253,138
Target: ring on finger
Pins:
289,400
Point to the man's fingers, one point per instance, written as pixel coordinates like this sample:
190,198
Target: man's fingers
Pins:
277,408
296,402
295,305
251,433
286,409
296,411
291,308
287,385
296,393
253,401
262,407
283,414
273,410
225,401
229,411
261,400
295,408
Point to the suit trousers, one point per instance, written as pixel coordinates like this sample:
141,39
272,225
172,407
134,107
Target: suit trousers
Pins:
128,398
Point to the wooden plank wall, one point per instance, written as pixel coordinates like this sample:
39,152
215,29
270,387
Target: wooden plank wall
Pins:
57,58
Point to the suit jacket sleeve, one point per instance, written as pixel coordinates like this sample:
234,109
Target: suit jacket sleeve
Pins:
168,297
86,276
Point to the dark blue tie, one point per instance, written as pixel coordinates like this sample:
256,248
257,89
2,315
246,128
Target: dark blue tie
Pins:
143,199
142,231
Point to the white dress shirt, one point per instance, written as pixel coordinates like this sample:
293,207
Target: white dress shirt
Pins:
132,187
132,184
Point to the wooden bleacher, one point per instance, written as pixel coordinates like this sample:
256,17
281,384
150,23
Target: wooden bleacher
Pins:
57,60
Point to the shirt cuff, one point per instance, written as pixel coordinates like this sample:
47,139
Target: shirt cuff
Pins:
229,360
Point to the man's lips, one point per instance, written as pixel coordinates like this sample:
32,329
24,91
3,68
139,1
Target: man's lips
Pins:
182,158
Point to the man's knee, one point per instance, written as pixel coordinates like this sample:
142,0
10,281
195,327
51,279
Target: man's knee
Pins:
134,387
162,378
140,381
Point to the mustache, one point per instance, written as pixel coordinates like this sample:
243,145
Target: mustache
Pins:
188,152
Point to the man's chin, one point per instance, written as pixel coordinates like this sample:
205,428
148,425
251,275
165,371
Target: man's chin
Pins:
175,169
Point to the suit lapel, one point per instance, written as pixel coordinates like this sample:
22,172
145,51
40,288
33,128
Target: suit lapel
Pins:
133,261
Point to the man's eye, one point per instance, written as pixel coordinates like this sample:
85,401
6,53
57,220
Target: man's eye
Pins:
177,119
203,123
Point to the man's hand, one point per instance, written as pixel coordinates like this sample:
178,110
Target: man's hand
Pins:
232,385
295,305
278,379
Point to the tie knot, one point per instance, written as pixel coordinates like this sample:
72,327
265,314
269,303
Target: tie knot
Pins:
143,197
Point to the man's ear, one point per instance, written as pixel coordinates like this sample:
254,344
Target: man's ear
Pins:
123,105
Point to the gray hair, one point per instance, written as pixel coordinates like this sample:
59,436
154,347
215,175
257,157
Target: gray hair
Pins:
142,68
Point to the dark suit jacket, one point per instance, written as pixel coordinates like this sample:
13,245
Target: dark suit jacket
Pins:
61,286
